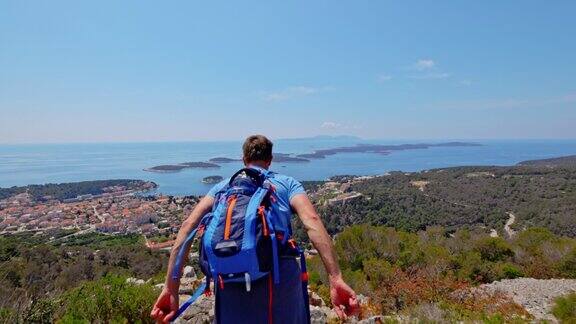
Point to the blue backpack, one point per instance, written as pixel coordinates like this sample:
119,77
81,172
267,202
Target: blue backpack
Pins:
243,236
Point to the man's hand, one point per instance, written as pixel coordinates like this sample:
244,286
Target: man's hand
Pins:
343,298
165,307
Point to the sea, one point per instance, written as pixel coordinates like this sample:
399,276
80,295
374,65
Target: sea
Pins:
58,163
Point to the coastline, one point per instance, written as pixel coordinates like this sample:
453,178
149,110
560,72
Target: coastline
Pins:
25,165
123,206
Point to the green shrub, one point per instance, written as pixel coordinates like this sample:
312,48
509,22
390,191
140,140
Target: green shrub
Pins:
361,242
532,239
470,266
379,273
493,249
567,265
565,308
509,271
109,299
324,293
7,315
357,280
317,271
41,311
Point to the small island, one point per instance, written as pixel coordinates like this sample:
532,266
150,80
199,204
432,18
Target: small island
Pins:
223,160
212,179
285,157
179,167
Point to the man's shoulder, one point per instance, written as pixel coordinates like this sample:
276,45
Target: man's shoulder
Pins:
282,178
217,187
222,183
287,185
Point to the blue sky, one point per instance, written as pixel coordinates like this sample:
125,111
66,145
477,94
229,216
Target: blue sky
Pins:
76,71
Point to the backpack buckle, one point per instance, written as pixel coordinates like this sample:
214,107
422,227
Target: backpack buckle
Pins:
248,281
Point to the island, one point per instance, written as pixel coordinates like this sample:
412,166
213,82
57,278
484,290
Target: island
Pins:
179,167
223,160
285,157
378,149
212,179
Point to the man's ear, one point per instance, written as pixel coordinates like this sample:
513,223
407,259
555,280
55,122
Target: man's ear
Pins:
245,161
269,162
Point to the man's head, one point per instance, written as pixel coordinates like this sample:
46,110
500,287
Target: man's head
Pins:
257,150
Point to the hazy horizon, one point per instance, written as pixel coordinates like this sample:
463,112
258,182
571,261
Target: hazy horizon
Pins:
358,138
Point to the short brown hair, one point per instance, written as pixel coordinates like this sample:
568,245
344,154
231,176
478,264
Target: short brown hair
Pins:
257,148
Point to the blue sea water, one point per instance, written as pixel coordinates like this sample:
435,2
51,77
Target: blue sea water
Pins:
56,163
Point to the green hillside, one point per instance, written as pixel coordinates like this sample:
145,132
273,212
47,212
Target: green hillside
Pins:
460,197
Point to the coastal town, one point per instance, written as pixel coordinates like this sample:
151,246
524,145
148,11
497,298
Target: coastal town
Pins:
121,209
118,210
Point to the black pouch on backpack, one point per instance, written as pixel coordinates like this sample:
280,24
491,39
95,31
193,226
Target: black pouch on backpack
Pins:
264,251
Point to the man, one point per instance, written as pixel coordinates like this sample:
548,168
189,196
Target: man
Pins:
234,304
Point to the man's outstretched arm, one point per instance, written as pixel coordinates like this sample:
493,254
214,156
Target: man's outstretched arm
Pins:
343,297
167,303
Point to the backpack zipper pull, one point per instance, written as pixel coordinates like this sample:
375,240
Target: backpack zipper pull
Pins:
248,281
220,282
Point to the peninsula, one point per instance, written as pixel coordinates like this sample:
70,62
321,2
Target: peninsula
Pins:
563,161
75,191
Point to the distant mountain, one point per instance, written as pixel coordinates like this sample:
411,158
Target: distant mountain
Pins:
325,138
223,160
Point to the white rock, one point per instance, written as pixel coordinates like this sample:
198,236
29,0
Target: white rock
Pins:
188,272
535,295
135,281
318,315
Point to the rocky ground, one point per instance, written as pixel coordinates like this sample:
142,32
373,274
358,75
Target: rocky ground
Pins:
535,295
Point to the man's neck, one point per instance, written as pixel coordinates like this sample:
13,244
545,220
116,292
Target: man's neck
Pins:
259,165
